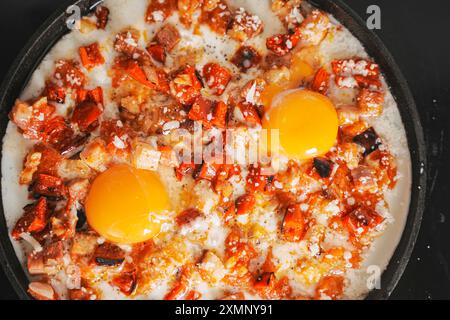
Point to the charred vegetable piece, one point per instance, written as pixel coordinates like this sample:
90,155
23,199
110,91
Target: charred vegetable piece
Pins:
201,109
108,254
157,52
369,140
246,58
323,167
251,115
34,218
81,219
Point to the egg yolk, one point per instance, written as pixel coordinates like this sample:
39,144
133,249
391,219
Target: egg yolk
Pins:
126,205
307,122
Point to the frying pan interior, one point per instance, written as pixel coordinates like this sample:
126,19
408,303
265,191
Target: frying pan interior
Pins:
55,27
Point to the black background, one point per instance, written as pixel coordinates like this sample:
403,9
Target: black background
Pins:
416,33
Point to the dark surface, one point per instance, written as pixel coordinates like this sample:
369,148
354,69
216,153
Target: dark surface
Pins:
415,35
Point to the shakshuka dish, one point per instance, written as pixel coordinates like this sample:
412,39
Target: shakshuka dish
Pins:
205,149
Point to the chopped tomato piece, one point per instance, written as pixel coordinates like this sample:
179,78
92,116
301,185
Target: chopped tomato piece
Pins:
216,77
34,218
126,282
181,286
94,95
220,115
320,82
168,37
70,74
186,86
193,295
330,287
55,93
251,115
282,44
257,181
157,52
86,116
133,70
294,225
207,171
245,204
201,109
91,56
158,11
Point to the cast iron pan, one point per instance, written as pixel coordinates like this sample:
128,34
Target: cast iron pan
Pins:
55,27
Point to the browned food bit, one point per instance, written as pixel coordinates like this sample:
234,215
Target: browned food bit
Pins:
102,15
188,216
48,186
108,254
168,36
360,220
246,58
217,16
369,140
245,204
323,167
86,116
34,218
321,80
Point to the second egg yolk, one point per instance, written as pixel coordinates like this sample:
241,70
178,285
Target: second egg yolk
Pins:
307,122
127,205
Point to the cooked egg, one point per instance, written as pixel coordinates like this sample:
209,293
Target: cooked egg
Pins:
307,123
127,205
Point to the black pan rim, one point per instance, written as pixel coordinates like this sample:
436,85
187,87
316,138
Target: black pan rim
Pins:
43,40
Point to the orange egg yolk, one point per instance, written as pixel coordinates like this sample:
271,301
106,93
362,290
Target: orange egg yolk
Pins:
127,205
307,123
